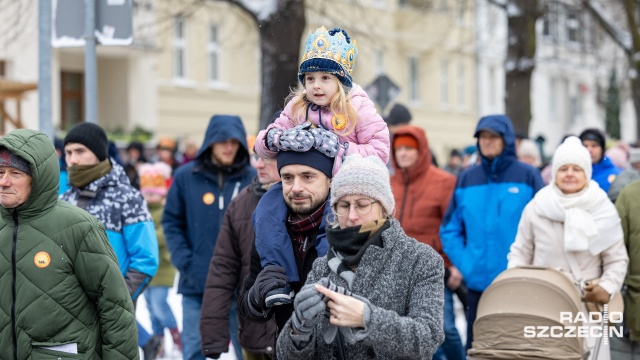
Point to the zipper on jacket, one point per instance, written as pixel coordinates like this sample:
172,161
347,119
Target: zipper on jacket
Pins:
14,334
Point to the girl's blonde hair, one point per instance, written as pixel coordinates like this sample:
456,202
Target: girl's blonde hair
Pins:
340,104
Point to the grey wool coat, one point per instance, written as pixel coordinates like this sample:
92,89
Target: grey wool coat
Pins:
404,284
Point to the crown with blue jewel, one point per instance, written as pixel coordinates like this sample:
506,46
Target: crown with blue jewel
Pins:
330,51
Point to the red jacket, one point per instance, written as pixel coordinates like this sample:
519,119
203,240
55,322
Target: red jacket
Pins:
422,193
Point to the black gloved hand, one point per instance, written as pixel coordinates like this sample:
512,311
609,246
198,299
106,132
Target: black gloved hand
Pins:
271,277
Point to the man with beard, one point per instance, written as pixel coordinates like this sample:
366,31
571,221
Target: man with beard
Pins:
297,228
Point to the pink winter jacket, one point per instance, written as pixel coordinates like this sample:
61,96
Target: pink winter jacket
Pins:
369,138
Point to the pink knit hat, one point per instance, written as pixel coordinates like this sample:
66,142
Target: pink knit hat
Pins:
153,178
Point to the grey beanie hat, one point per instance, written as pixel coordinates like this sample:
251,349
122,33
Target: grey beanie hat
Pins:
9,159
363,176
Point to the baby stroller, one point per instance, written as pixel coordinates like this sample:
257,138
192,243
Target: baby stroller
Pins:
526,297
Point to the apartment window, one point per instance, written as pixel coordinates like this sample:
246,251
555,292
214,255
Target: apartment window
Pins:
213,53
414,79
550,21
460,13
179,48
444,83
71,98
379,61
573,25
460,86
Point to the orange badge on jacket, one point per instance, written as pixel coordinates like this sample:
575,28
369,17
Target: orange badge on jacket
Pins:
42,259
208,198
339,121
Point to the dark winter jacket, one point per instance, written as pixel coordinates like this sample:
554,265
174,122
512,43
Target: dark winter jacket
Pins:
604,173
60,279
123,212
198,197
229,266
422,194
403,282
482,219
272,238
278,228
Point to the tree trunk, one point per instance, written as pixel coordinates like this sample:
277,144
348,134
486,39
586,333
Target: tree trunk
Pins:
280,38
522,16
635,90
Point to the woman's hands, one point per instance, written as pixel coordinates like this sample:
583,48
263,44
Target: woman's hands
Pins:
345,310
596,293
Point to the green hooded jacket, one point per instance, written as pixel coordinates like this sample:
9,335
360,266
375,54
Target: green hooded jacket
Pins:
59,277
628,205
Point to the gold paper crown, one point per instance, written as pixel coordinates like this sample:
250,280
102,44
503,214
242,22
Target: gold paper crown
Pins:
334,45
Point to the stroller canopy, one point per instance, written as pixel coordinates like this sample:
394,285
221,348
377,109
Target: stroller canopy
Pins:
526,297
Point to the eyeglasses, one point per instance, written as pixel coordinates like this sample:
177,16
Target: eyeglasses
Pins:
256,157
363,207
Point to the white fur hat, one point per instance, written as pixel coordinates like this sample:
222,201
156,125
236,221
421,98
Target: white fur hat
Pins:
571,151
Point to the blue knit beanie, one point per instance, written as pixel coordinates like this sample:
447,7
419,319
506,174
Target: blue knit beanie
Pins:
312,158
330,51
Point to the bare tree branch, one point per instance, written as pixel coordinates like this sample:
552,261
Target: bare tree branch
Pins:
499,3
617,35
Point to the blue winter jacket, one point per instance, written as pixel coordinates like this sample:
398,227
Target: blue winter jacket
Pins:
198,197
604,173
123,212
273,242
482,219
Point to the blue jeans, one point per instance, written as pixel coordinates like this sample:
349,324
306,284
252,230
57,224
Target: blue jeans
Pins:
143,335
159,310
451,348
191,340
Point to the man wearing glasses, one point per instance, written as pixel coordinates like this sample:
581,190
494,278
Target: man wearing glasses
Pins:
292,236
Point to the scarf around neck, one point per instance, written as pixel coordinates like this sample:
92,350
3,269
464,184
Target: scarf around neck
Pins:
347,246
591,222
82,175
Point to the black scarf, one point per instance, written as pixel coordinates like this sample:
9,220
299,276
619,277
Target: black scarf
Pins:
352,242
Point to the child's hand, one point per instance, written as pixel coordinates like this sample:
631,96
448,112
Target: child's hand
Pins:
326,142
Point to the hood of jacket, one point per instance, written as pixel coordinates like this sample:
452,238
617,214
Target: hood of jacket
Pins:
502,125
38,150
222,128
424,154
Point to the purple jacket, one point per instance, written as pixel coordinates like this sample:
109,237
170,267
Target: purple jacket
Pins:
369,138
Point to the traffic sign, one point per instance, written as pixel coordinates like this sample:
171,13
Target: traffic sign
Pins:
114,23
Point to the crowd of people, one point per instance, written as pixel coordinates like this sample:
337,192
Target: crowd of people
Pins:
335,236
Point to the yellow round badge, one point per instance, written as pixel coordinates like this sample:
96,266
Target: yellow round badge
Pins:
611,178
208,198
339,121
42,259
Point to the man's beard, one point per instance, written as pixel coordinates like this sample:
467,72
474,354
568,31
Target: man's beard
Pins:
304,210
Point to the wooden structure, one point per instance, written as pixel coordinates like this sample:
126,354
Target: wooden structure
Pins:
12,91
